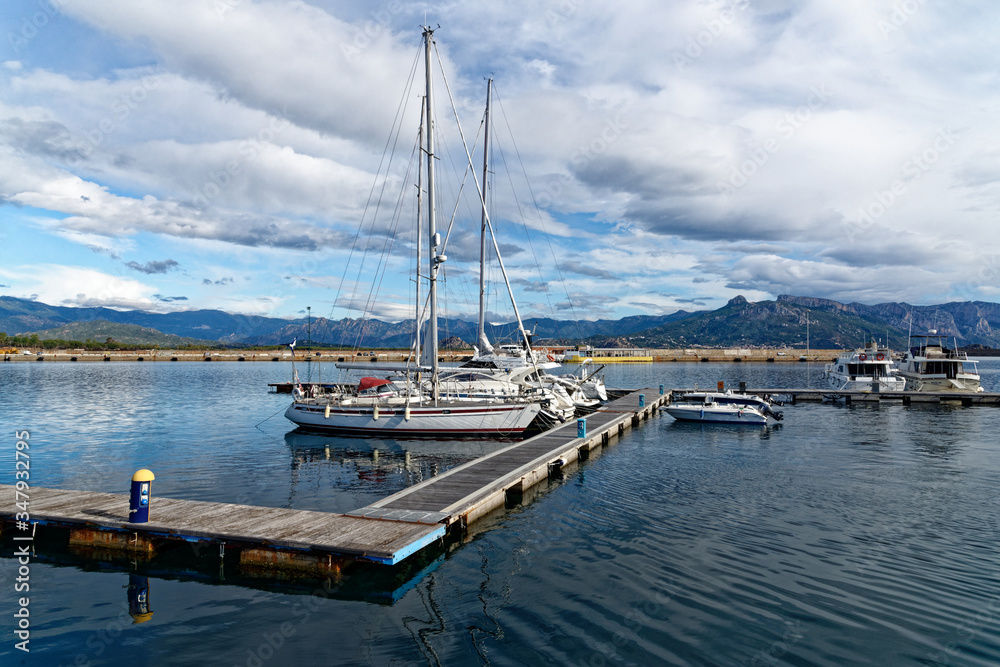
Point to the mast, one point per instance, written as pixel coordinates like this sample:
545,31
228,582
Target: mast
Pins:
481,333
434,239
420,235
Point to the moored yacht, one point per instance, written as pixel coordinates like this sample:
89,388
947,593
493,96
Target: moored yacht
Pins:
870,368
931,366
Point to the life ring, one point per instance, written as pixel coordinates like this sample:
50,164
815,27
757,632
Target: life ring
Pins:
862,356
551,357
879,356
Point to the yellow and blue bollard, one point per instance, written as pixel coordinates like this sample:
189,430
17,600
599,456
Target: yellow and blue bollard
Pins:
138,501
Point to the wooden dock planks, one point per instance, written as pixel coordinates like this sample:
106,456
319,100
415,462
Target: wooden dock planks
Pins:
384,532
468,491
377,540
907,397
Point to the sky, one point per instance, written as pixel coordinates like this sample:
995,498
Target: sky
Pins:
174,155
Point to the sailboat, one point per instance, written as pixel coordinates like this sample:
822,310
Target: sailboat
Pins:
518,363
418,401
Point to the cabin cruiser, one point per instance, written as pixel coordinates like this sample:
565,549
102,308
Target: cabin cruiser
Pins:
722,407
870,368
930,366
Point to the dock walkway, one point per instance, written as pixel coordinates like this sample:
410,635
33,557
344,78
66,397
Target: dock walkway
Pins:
385,532
906,397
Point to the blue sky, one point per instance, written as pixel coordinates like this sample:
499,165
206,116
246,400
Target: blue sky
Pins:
185,154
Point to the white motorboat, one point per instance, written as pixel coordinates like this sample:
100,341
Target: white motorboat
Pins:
721,407
870,368
931,366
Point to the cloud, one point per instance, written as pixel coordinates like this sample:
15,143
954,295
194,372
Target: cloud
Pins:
162,266
48,283
221,281
169,299
584,269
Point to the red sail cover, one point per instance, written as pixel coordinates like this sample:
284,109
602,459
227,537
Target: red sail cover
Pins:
368,383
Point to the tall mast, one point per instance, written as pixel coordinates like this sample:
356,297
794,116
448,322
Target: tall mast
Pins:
481,333
433,238
420,234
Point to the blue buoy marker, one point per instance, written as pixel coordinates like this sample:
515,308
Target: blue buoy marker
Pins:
581,427
138,500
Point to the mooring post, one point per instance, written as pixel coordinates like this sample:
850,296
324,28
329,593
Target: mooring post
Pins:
661,390
138,501
642,400
581,427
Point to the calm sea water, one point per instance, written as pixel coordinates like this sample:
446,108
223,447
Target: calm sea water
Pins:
844,535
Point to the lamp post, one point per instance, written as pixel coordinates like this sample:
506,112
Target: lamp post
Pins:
309,327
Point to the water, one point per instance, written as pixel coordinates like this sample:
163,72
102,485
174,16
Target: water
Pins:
844,535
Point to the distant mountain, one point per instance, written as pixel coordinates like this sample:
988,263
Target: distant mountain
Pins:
740,323
19,316
831,324
131,334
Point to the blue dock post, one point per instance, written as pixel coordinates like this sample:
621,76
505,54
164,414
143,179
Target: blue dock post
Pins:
138,501
642,400
661,390
581,427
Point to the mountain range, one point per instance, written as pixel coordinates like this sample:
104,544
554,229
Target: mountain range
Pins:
788,321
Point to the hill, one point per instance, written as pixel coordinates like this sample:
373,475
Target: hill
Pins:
831,324
19,316
131,334
740,323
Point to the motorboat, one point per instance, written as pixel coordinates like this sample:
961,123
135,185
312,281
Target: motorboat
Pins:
721,407
931,366
870,368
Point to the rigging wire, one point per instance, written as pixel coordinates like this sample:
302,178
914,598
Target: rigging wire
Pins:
541,218
394,131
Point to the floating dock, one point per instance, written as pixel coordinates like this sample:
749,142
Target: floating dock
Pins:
385,532
905,397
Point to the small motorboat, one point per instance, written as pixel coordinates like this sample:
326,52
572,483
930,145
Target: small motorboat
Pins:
721,407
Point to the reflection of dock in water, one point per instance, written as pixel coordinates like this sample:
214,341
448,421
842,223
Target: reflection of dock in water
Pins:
385,531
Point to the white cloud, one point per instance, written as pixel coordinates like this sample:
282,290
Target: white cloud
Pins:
79,286
765,126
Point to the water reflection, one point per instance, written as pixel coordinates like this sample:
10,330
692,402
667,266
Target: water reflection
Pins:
340,474
138,598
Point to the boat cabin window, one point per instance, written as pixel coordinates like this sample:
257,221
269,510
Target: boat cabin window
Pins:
946,368
870,370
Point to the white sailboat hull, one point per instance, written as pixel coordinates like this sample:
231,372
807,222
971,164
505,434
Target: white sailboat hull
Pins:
445,419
